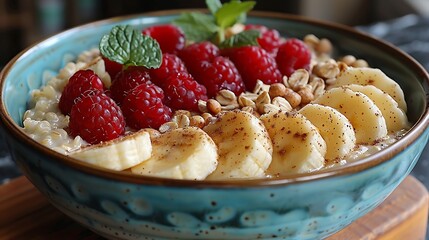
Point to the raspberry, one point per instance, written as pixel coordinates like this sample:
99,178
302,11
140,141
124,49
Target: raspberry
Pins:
83,82
96,118
171,64
269,40
112,67
195,53
126,80
220,74
293,55
183,92
171,39
143,107
254,63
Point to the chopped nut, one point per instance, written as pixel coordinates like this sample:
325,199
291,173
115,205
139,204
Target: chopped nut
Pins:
229,107
153,133
168,126
282,103
311,40
306,95
298,79
317,86
268,108
213,106
286,81
202,106
327,69
342,66
244,101
360,63
226,97
181,120
260,87
263,98
182,112
249,95
330,81
324,46
348,59
197,121
277,90
235,29
251,110
292,97
208,118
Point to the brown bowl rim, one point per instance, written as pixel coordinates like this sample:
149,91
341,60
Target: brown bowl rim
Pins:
347,169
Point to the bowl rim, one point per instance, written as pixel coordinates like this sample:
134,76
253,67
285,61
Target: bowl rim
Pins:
371,161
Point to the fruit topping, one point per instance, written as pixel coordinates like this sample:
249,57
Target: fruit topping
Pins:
143,107
171,65
96,118
293,55
220,74
182,91
269,40
254,63
171,39
83,82
126,80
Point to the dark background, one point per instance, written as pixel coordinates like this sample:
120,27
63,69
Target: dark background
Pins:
23,22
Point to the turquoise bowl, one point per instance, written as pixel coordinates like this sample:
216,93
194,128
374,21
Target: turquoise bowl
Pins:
119,205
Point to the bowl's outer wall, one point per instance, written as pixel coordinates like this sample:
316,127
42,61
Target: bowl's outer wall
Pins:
306,210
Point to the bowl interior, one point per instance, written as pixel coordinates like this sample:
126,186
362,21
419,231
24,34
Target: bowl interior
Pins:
30,69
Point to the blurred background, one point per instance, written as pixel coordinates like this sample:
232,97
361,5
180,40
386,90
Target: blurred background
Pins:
23,22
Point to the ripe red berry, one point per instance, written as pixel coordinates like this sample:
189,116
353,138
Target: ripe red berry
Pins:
195,53
126,80
143,107
183,92
254,63
293,55
83,82
269,40
220,74
171,64
96,118
112,67
171,39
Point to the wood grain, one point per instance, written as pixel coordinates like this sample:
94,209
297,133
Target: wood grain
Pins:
26,214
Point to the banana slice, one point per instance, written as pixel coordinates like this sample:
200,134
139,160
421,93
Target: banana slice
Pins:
244,146
366,118
297,145
334,127
182,153
396,119
375,77
117,154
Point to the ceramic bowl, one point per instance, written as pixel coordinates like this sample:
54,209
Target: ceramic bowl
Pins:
119,205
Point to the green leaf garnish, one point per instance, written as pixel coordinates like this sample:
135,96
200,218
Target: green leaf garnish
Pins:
130,47
197,26
245,38
230,12
213,5
200,27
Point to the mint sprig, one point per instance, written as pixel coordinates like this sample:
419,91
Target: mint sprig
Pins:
245,38
202,27
130,47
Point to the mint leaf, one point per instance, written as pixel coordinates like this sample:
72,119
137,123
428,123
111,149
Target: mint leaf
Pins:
197,26
230,12
213,5
130,47
245,38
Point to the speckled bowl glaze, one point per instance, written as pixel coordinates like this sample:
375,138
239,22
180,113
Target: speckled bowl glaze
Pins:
119,205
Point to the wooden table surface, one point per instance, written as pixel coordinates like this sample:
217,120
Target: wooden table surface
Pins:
26,214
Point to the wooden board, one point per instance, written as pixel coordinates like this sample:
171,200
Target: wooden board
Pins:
26,214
